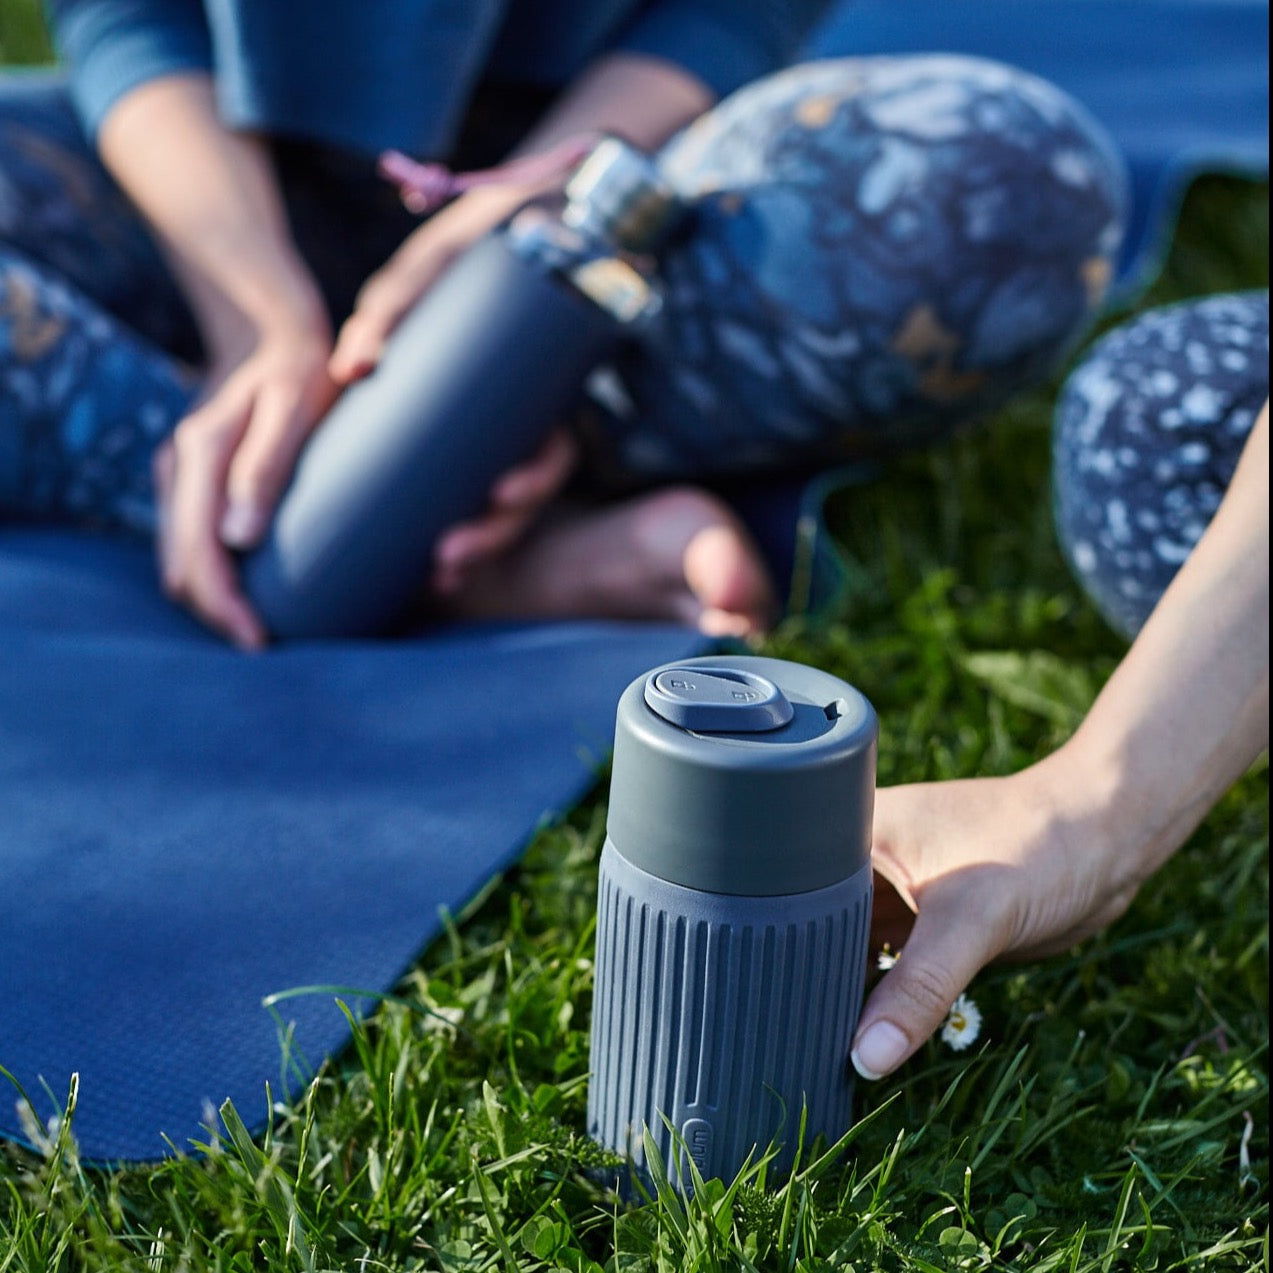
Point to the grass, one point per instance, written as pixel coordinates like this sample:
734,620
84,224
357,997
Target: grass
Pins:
22,34
1099,1126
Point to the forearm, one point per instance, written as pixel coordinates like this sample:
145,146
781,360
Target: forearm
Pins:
644,99
212,199
1187,710
641,98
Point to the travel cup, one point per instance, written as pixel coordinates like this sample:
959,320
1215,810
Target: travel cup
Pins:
733,913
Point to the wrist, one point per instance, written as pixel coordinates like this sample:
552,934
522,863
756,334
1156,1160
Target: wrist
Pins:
1106,825
279,314
480,210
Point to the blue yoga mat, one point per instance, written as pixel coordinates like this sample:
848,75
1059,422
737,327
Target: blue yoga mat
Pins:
185,830
1181,86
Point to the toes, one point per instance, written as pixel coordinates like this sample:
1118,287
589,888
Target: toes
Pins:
723,623
725,572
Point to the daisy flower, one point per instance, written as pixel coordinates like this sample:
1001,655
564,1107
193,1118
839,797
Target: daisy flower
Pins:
963,1024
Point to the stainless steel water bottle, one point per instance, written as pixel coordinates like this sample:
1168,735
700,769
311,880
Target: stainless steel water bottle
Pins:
733,913
469,384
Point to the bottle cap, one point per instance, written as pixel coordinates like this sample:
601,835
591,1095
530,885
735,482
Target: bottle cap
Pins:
743,775
618,194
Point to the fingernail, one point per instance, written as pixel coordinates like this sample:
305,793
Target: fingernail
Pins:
353,359
242,524
879,1049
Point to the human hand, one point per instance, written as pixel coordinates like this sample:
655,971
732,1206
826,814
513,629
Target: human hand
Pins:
409,273
1017,867
1029,865
211,196
220,476
518,495
515,501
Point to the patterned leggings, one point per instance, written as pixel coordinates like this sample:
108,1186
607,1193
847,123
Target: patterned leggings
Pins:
99,353
1149,429
948,218
99,356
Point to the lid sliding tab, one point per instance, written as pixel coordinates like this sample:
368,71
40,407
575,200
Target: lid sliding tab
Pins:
717,700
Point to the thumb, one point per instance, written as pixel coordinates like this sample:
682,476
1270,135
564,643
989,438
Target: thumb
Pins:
946,949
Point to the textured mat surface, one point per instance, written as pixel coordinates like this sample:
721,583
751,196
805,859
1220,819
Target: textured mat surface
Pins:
1182,86
185,830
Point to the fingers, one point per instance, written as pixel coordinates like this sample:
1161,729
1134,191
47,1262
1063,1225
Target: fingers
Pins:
534,483
385,298
220,477
516,499
282,417
1017,866
891,918
962,904
195,567
410,272
948,946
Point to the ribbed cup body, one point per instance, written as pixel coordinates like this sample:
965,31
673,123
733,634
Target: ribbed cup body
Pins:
725,1014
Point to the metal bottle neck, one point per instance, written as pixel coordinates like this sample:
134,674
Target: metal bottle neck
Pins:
617,194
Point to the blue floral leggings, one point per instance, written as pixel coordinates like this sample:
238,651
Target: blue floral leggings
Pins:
1149,430
99,354
959,279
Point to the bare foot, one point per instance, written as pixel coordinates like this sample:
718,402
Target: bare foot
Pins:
677,555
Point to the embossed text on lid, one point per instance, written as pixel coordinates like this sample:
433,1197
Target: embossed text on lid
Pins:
717,700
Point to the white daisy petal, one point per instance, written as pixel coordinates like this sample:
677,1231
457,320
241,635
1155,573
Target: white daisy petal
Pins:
963,1024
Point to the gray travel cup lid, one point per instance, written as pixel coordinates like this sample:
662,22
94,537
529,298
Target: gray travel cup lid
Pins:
743,775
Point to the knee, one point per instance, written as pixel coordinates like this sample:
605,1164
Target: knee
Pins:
884,248
1148,431
1015,218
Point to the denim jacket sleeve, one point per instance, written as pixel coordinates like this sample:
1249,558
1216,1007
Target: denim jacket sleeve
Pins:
725,43
111,46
